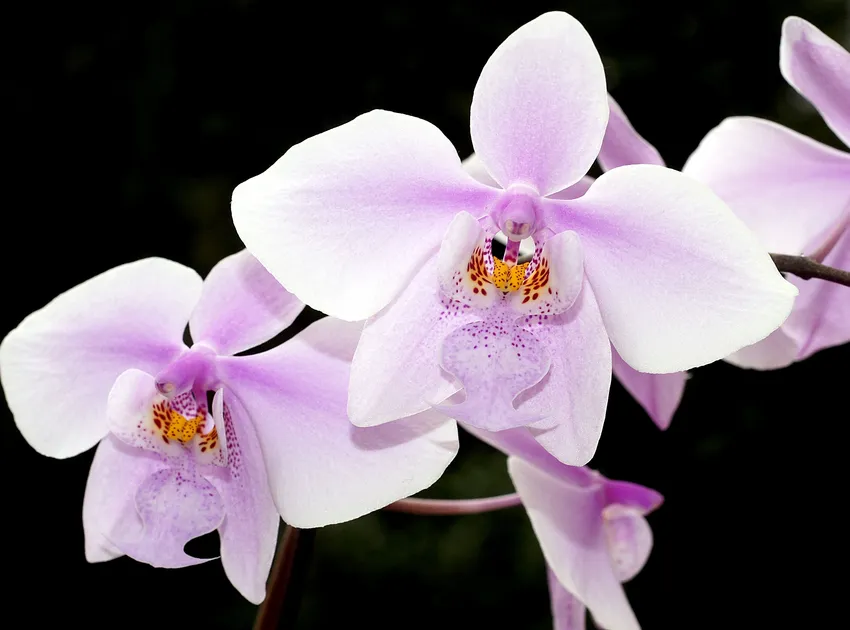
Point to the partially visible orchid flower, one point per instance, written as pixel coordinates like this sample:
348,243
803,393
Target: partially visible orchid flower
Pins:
105,362
658,394
592,531
793,192
377,219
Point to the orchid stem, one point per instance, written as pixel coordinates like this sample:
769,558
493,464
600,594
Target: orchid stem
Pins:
445,507
806,268
279,610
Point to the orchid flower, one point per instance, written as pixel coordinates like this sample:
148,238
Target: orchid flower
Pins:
377,219
793,192
658,394
105,362
592,531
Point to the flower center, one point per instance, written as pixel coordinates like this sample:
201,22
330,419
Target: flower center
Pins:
508,277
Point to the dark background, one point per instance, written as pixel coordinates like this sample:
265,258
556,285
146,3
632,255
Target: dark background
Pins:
129,125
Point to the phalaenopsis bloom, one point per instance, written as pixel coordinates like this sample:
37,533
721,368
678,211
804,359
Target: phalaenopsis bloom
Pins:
592,531
377,219
105,362
793,192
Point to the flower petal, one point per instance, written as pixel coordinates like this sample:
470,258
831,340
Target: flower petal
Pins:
623,145
636,497
396,369
576,190
495,360
109,508
568,613
249,531
568,523
680,281
821,315
58,365
475,167
787,188
573,396
241,306
819,69
322,469
629,539
776,350
344,219
176,504
540,108
658,394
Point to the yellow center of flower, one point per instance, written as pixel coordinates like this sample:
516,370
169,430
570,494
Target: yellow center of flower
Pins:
508,278
175,426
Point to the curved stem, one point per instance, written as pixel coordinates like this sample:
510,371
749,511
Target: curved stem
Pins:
443,507
806,268
279,609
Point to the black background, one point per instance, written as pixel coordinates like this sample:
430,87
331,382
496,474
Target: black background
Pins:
128,126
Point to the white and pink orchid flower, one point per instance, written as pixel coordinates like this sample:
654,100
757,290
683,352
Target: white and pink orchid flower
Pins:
105,363
377,219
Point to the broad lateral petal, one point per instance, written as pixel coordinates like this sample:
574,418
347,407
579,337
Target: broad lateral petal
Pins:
789,189
622,144
322,469
680,281
819,69
821,315
344,219
396,369
58,365
241,306
568,523
176,504
573,396
109,508
540,107
568,613
658,394
249,531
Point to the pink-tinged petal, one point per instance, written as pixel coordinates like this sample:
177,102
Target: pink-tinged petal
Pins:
680,281
568,613
176,504
495,360
396,369
658,394
573,396
475,167
322,469
789,189
344,219
776,350
821,315
540,108
58,365
555,279
140,416
520,443
241,306
623,145
568,523
109,507
819,69
576,190
629,540
640,498
249,531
